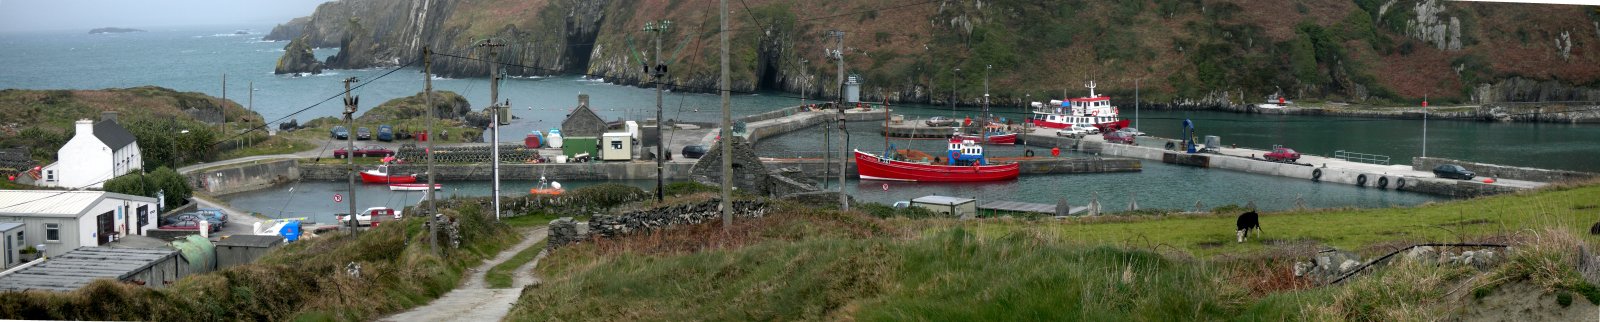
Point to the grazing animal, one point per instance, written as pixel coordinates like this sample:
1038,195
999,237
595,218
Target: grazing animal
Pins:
1595,230
1246,222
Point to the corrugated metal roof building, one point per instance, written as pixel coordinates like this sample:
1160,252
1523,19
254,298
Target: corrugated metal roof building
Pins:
72,270
65,220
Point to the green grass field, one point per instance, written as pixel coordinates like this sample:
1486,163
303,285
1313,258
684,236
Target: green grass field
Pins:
806,264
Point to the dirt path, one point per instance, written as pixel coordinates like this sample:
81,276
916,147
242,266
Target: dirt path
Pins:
473,300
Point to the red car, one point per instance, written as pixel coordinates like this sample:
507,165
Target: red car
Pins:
1282,154
370,151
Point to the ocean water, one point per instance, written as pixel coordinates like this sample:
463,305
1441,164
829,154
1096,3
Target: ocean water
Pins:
196,58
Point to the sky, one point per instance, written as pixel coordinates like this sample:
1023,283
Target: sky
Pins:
43,15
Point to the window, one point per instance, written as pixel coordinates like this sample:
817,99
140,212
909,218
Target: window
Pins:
50,175
52,232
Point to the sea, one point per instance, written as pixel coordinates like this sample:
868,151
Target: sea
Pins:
203,59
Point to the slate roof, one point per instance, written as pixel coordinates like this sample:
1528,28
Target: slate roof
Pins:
112,134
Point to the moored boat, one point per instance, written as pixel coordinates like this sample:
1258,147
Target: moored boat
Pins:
382,175
991,135
550,189
964,162
413,187
1082,112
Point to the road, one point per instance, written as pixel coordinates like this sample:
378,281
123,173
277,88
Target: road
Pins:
239,222
473,300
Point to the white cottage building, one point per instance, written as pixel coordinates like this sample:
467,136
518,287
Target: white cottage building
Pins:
97,152
66,220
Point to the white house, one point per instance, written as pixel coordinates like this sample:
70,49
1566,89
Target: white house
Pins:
98,152
66,220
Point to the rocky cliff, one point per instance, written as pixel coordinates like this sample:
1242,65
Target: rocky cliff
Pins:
298,58
1377,51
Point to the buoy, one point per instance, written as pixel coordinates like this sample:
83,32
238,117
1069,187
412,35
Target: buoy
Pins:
1488,180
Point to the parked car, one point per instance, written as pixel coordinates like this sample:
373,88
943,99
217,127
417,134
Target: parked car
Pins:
369,151
339,133
191,223
365,217
1071,133
214,215
1282,154
694,151
1119,137
363,133
385,133
1451,171
940,121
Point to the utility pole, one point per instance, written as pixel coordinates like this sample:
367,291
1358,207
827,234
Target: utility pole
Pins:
1424,125
350,123
252,102
727,125
427,93
844,150
227,128
953,86
986,113
659,73
494,117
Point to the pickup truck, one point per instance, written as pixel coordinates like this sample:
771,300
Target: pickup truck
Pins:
1282,154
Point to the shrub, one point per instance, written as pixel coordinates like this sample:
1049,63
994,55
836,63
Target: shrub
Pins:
607,195
688,188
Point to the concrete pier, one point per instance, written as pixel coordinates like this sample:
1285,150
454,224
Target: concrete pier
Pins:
1310,167
679,169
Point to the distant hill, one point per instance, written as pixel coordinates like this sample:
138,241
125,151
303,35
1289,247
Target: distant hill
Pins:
1180,51
113,30
42,120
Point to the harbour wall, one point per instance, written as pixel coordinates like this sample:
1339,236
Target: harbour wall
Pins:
1340,175
245,177
812,168
1504,171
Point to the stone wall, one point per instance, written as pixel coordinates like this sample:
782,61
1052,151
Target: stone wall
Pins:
565,231
1504,171
246,177
749,174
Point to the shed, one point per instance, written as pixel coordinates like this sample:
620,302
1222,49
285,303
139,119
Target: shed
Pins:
581,131
954,206
11,232
72,270
243,249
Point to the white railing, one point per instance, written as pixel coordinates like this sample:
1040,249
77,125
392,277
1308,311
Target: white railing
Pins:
1361,157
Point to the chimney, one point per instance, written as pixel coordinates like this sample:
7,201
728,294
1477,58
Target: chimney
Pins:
108,116
85,127
583,99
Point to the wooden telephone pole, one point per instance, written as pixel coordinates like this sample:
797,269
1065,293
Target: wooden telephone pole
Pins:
659,73
494,117
350,123
727,125
427,91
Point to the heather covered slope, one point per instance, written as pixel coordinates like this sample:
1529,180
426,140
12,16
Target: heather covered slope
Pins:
1371,51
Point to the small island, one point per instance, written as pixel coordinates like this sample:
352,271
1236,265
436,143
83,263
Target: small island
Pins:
112,30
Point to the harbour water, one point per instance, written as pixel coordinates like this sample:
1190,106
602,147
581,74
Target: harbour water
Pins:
194,59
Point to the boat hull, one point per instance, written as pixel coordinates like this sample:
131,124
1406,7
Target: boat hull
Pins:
390,179
1003,139
872,167
413,187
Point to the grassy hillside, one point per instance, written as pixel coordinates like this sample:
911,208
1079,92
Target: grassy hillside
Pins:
801,264
43,120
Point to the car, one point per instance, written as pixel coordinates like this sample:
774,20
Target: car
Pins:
363,133
365,217
901,204
191,223
1119,137
214,215
1071,133
1451,171
940,121
694,151
1282,154
339,133
385,133
369,151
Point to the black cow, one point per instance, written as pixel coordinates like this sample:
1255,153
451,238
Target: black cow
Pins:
1246,222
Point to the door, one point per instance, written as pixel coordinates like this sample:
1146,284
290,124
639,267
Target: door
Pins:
107,225
144,219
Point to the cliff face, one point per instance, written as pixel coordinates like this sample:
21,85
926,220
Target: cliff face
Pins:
298,58
1394,51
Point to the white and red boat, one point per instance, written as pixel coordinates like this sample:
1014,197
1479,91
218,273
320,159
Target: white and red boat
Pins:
1082,112
382,175
413,186
964,162
992,134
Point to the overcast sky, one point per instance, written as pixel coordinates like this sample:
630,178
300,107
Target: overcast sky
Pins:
33,15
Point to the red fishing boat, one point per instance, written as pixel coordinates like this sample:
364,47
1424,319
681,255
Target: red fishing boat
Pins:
964,162
993,134
382,175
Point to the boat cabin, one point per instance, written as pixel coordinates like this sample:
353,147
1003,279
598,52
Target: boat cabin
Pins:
964,152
